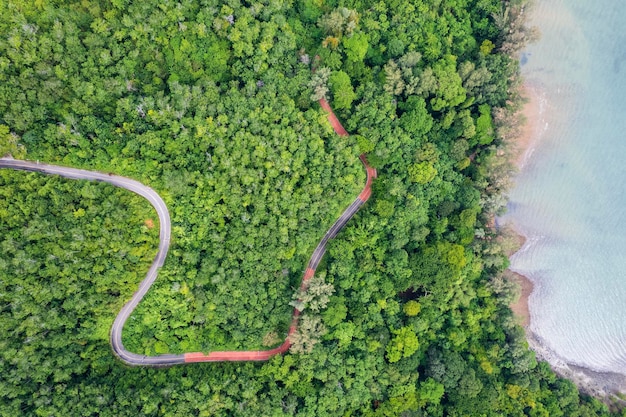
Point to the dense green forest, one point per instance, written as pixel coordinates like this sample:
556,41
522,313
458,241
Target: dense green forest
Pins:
213,104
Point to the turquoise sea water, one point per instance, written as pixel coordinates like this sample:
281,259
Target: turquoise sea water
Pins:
570,197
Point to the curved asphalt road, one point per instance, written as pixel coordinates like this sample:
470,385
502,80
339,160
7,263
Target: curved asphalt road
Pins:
164,243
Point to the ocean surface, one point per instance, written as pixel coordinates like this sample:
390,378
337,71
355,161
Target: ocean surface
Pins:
570,196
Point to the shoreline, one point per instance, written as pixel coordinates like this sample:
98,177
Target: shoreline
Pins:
523,148
606,386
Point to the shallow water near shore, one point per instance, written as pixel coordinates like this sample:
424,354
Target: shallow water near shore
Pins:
570,196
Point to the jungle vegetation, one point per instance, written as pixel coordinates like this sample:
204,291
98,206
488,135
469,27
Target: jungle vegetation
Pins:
213,104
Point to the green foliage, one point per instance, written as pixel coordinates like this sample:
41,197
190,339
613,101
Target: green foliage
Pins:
315,296
355,46
339,22
422,172
431,392
450,91
486,47
343,93
311,10
9,144
412,308
310,329
319,84
402,345
416,120
364,145
394,83
484,126
216,60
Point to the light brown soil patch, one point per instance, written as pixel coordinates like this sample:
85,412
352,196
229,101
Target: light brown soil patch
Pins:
520,307
533,124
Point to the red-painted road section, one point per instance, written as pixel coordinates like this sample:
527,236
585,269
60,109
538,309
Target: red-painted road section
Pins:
263,355
334,122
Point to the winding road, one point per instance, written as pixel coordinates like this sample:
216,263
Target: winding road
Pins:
157,202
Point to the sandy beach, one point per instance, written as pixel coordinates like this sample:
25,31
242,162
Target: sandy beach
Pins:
534,124
603,385
524,147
